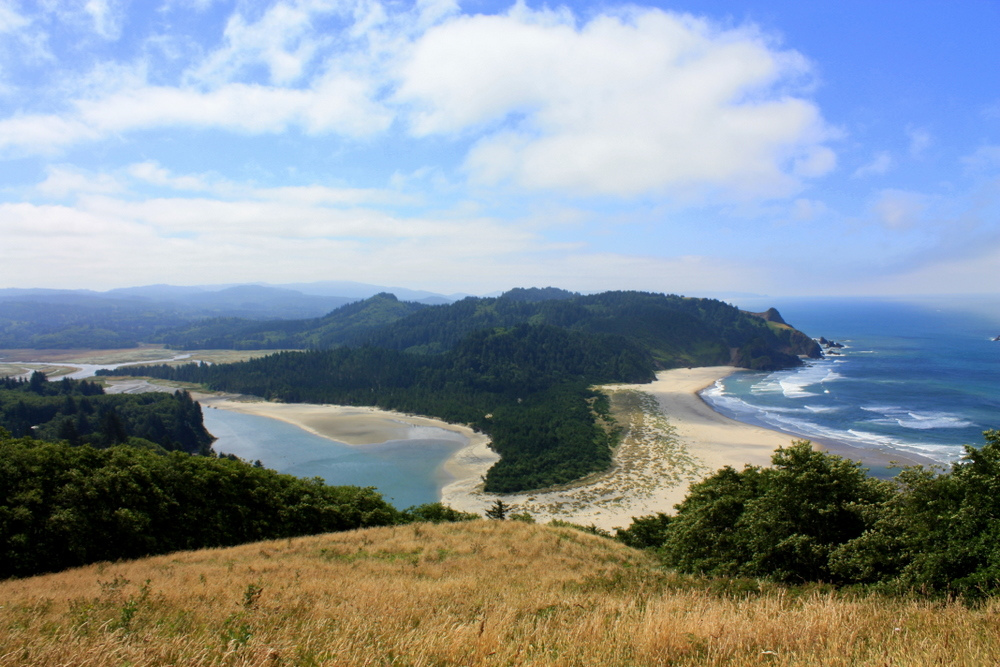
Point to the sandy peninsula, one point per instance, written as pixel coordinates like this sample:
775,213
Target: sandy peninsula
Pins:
673,438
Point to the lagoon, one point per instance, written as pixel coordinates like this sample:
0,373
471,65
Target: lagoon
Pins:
406,472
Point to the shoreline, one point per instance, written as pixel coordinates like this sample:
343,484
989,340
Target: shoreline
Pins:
360,426
681,440
676,439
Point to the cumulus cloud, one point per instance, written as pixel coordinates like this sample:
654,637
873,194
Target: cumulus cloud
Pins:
880,164
632,102
899,209
625,104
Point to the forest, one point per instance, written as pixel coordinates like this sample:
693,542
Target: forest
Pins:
677,331
80,413
527,387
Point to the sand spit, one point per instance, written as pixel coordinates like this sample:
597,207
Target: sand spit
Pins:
672,438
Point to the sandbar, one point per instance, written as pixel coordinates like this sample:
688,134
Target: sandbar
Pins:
359,426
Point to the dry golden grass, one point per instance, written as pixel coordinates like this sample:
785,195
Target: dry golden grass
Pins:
482,593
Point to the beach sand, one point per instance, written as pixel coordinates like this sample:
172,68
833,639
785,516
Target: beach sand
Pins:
673,438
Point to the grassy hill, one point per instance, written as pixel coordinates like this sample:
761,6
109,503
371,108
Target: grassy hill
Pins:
479,593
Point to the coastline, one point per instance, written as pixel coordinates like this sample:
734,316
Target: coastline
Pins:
675,439
679,441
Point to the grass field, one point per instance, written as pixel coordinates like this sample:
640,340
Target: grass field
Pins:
480,593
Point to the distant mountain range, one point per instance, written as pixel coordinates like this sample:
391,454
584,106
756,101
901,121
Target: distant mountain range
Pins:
60,319
324,315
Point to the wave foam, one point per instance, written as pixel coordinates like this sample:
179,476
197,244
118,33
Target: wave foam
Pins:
788,420
891,414
796,383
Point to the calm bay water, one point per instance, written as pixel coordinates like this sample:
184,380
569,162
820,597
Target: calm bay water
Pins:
920,378
406,472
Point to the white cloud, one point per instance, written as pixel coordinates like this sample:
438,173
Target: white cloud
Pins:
62,182
339,105
622,105
920,140
880,164
984,159
636,102
808,209
11,20
283,41
153,173
899,209
107,16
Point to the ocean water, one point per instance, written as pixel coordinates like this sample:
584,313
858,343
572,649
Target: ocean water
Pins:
406,472
913,378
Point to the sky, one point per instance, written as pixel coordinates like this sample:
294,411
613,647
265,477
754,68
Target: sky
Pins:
769,147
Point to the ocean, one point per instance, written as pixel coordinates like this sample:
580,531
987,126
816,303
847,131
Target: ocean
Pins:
914,378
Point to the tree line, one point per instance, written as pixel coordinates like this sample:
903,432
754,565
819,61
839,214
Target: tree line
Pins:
79,412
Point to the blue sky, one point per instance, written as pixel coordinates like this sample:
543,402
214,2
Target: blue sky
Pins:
779,148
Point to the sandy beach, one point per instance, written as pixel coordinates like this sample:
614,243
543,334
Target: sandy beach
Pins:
673,438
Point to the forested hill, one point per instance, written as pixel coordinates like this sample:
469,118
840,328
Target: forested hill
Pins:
676,331
518,367
527,387
80,413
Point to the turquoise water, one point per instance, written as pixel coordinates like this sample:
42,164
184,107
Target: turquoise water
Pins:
918,378
406,472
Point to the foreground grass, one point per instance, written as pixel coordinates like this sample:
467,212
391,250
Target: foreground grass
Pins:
481,593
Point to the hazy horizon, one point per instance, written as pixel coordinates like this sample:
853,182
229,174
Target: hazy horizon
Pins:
694,147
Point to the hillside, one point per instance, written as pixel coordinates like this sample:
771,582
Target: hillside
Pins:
677,331
479,593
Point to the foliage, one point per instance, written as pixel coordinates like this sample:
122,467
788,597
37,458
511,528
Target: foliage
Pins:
782,522
435,513
498,510
63,506
81,413
645,531
817,517
939,532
